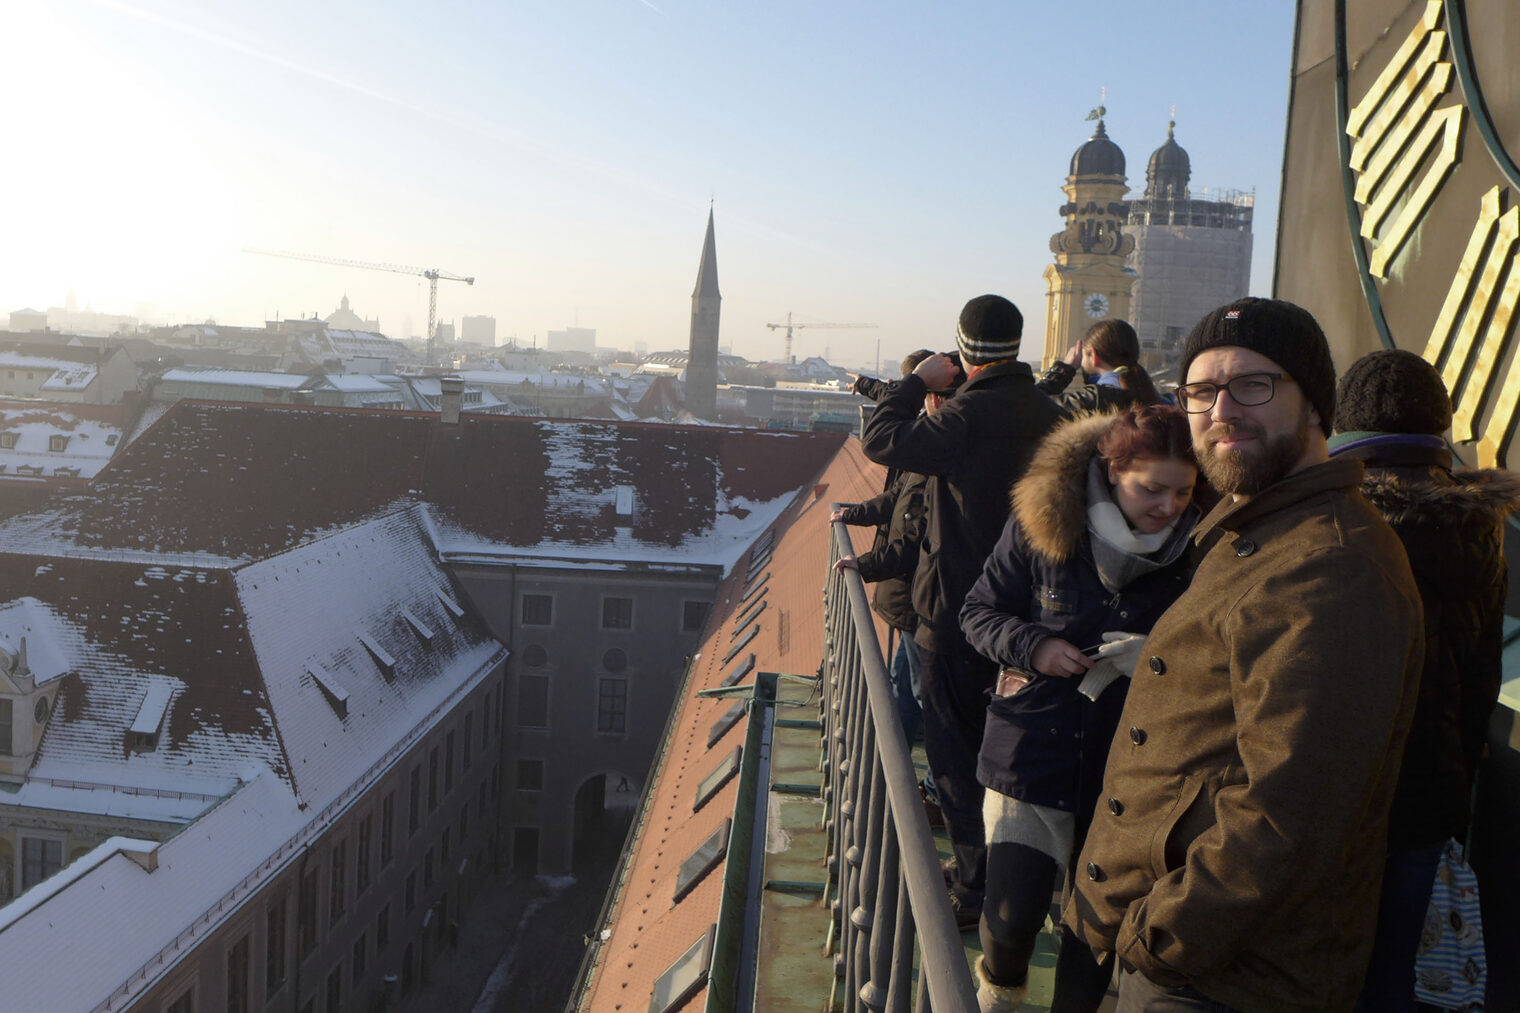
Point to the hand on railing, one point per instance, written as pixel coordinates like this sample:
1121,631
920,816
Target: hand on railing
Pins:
844,563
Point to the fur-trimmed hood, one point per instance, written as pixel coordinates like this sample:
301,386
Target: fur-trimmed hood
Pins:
1050,501
1407,496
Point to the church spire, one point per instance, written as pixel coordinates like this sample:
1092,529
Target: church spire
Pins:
707,272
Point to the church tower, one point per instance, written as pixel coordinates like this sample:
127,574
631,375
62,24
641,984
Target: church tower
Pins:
1089,280
702,351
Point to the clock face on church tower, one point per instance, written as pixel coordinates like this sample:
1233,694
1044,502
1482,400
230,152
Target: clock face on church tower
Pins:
1096,305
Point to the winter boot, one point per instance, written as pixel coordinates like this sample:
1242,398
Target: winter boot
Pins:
998,998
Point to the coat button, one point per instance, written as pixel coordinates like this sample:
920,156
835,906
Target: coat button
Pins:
1094,872
1116,807
1137,736
1157,665
1244,547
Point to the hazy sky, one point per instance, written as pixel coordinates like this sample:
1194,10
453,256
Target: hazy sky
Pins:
869,162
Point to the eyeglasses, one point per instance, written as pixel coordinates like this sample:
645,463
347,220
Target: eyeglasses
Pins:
1247,390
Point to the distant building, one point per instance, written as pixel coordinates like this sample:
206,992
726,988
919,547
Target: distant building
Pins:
480,330
1192,253
74,374
28,320
1090,278
443,332
346,319
706,306
573,339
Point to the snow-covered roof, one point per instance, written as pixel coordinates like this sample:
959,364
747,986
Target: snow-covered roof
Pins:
46,437
237,378
355,383
359,580
211,483
63,374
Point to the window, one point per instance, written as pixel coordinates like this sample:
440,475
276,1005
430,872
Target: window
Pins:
617,613
184,1003
469,721
8,440
480,809
693,616
464,822
335,989
5,726
485,720
274,946
432,779
427,870
40,858
612,706
414,804
382,930
685,977
615,659
532,701
411,893
530,775
237,977
537,610
306,913
338,870
58,443
443,848
360,946
361,856
448,763
387,824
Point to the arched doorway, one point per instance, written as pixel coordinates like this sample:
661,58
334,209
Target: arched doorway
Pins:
605,805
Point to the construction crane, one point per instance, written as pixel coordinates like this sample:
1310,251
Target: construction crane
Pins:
787,358
432,274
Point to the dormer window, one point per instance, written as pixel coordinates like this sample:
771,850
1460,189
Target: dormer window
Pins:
8,441
58,443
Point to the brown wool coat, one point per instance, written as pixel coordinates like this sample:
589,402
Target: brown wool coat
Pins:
1238,843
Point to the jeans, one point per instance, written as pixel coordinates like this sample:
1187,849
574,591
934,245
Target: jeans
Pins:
1407,879
1138,994
905,684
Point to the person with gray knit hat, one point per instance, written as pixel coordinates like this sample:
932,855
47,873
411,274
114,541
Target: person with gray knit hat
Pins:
1235,863
1391,410
973,449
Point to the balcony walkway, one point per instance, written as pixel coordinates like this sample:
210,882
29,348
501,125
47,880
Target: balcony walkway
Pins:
794,964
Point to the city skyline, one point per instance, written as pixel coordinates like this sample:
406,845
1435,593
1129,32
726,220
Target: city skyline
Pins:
865,164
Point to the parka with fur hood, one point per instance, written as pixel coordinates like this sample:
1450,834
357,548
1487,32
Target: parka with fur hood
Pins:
1047,743
1452,527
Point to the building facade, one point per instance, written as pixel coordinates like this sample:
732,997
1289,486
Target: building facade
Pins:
1192,252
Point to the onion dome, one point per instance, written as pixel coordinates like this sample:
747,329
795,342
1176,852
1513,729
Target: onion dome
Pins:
1169,169
1098,157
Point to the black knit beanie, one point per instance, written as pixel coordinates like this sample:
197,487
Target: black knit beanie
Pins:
1285,333
990,329
1392,391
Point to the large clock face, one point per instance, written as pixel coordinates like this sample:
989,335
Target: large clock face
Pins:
1096,305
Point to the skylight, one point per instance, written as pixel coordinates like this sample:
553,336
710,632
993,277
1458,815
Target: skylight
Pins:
685,977
421,628
336,695
382,657
722,725
720,775
702,861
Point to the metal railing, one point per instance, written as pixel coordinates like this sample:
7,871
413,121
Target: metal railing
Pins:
891,909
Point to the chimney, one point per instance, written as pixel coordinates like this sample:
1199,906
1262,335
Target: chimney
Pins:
453,398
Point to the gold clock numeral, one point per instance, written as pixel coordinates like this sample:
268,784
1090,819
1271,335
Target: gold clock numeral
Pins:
1401,105
1473,329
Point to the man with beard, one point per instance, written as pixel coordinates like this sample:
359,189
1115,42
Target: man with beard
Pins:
1235,859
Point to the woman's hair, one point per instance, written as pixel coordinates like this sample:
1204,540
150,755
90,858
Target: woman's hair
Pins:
1116,343
1146,431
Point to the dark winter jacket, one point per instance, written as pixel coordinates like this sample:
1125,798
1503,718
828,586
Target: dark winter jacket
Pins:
1089,398
973,449
899,514
1452,527
1240,847
1047,743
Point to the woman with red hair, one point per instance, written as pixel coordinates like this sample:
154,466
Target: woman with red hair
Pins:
1094,552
